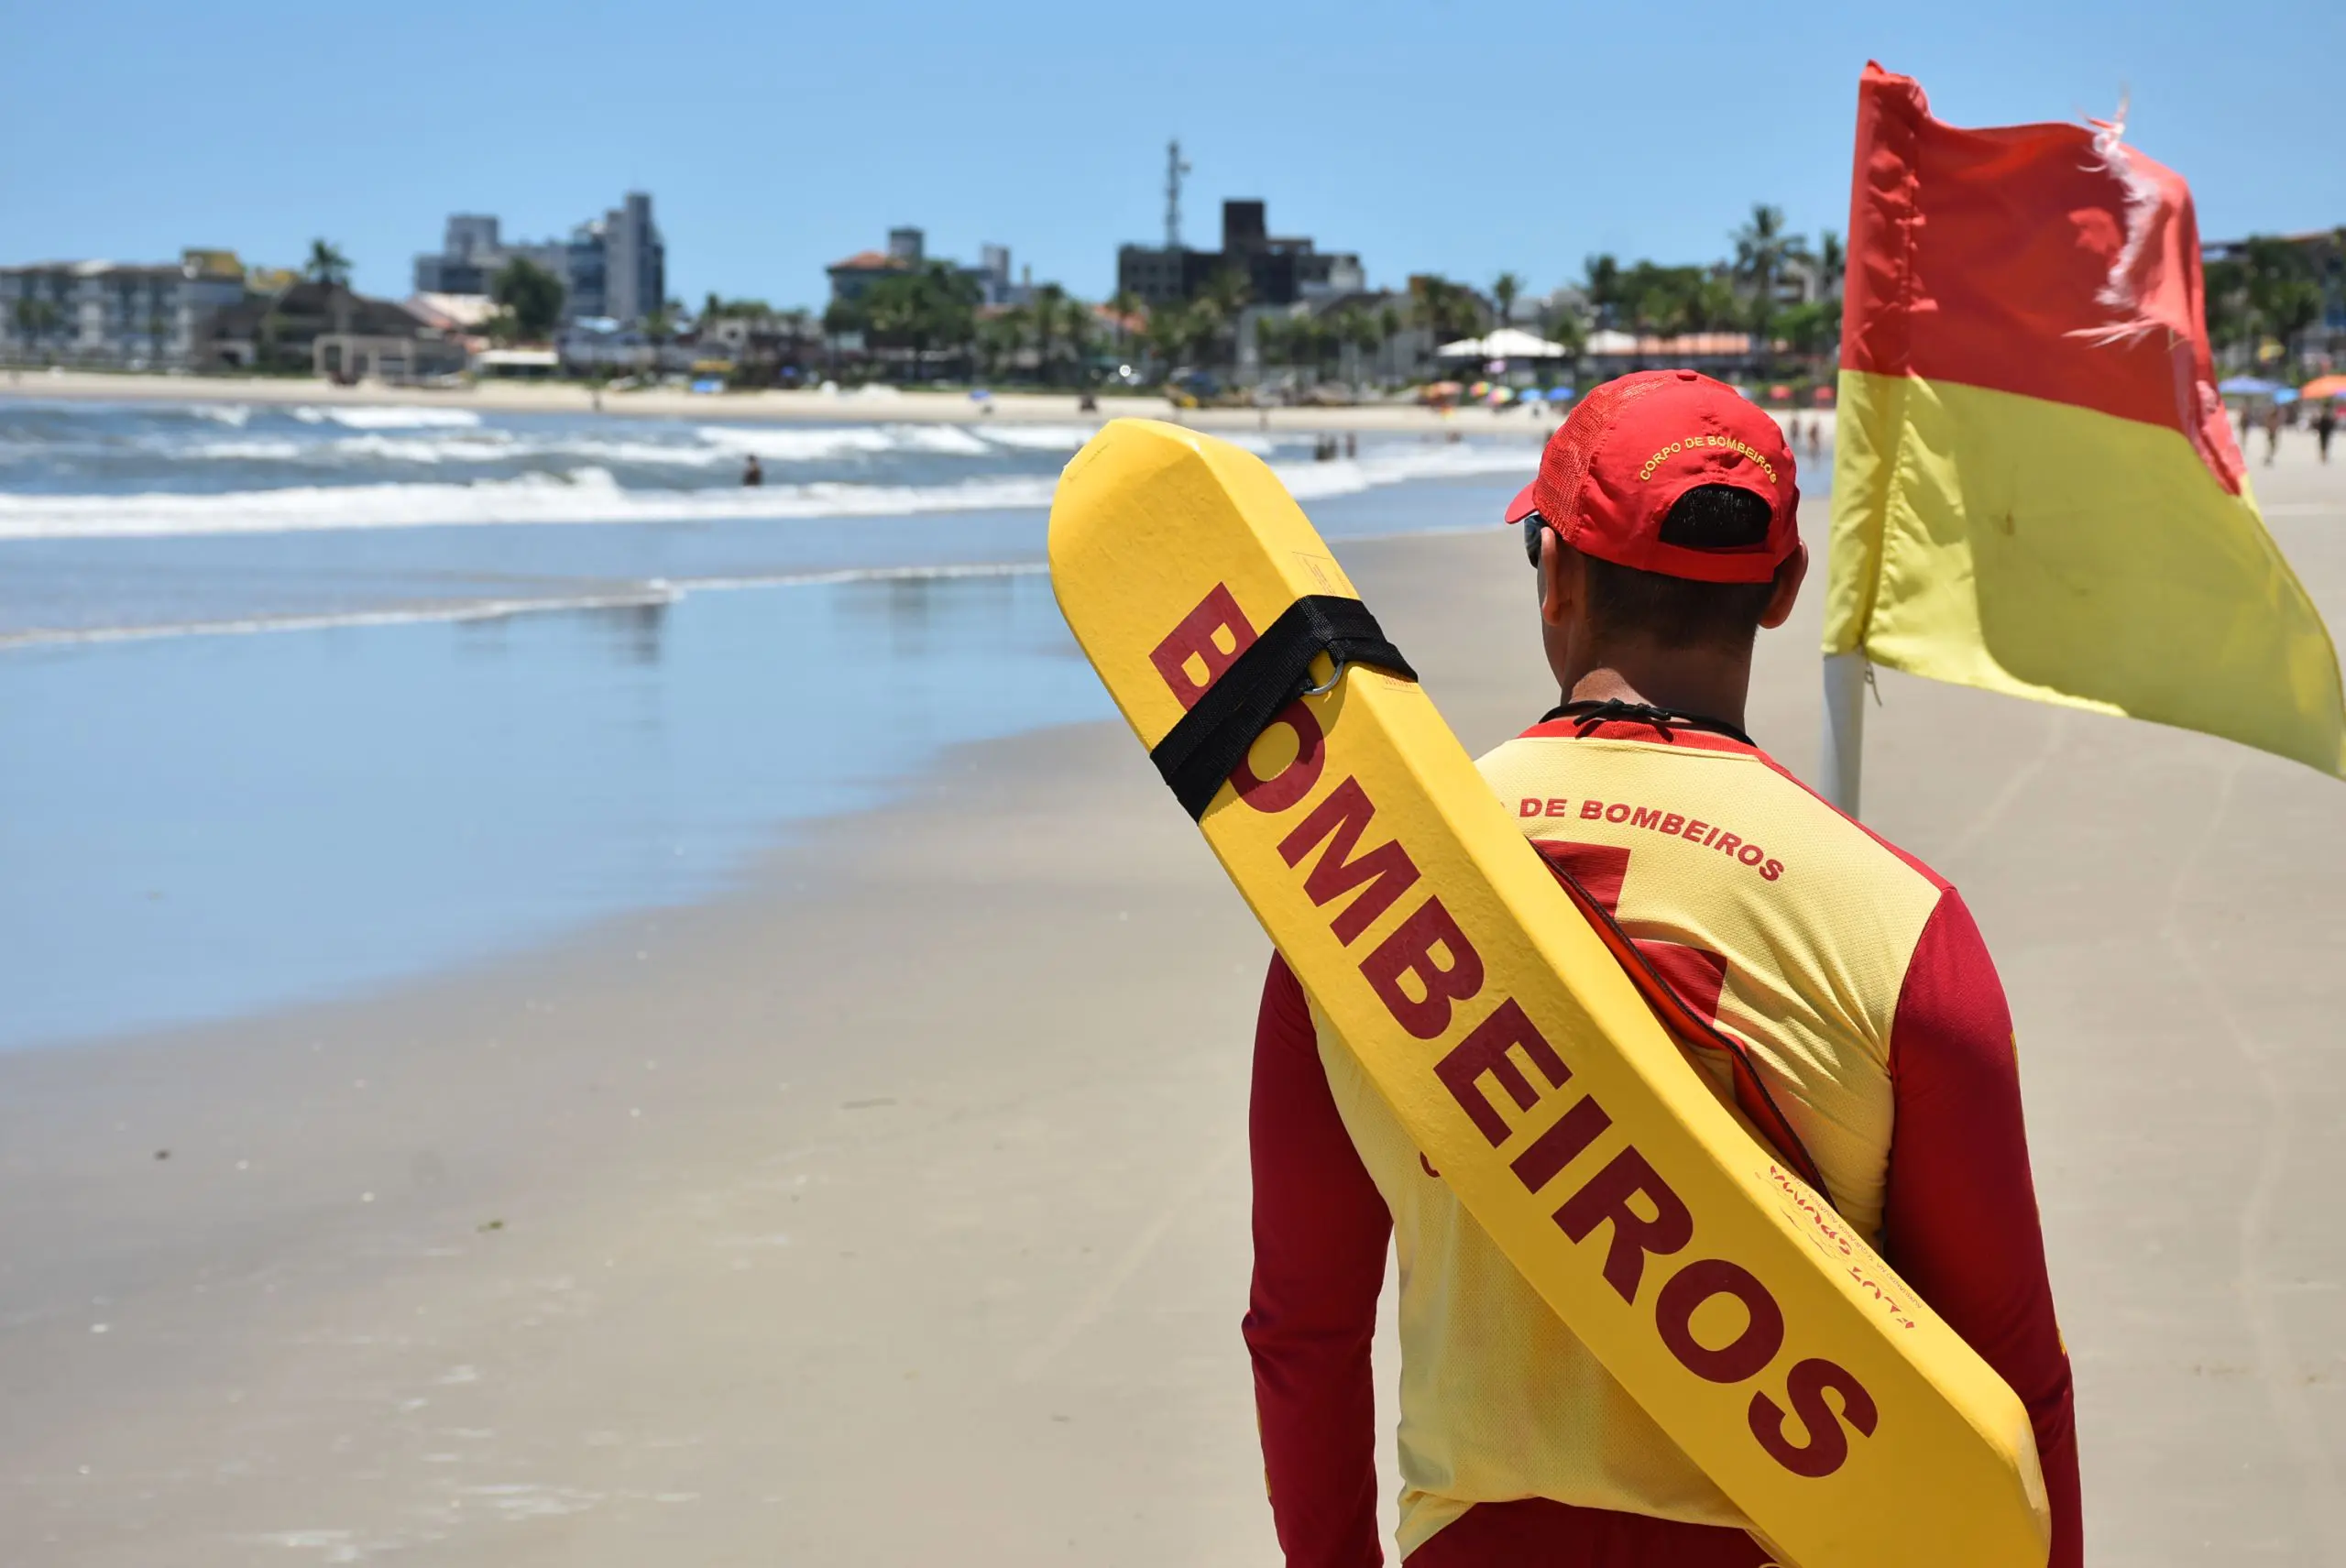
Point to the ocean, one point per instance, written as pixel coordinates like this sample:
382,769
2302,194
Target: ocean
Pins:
296,700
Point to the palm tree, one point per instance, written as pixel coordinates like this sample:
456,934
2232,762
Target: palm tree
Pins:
1506,289
327,264
1388,327
1831,262
1602,283
1319,340
1567,326
1713,306
1127,306
1356,329
1045,316
1079,329
1447,309
1762,252
1273,341
1168,332
532,295
1218,305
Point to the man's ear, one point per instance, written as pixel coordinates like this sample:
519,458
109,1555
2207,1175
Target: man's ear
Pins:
1786,592
1562,584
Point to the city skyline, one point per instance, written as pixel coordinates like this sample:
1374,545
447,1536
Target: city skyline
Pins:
1419,137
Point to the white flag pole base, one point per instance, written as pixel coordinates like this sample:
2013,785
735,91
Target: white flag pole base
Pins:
1841,761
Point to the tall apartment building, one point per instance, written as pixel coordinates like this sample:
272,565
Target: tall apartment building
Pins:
635,264
1279,270
612,266
908,250
113,313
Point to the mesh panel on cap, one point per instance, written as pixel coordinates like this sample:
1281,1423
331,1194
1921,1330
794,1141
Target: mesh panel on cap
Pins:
1588,425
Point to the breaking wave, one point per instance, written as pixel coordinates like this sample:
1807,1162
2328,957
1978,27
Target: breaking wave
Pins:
363,416
592,494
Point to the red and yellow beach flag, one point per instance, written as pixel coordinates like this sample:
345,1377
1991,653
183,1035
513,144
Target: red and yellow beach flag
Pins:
2036,490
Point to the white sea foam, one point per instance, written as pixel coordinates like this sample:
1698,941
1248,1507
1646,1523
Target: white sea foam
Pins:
654,591
785,445
590,494
235,414
438,440
1374,470
258,450
371,417
782,444
1036,437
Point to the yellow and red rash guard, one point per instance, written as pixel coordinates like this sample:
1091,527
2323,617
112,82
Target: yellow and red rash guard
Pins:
1867,1001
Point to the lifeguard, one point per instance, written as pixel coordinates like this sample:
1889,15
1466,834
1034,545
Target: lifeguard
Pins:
1662,527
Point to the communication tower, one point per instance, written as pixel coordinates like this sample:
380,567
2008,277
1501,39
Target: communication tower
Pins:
1174,169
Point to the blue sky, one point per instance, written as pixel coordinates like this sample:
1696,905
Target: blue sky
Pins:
1452,135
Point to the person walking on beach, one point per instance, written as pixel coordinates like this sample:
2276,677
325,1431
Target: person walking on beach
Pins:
2325,424
2272,433
1662,534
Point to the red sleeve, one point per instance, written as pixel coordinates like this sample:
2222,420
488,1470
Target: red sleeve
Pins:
1320,1235
1960,1223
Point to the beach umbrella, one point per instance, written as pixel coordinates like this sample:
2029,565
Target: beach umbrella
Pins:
2247,386
2325,387
1514,342
1560,394
2285,396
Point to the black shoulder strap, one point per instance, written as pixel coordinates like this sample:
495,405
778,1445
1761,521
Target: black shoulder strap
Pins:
1200,752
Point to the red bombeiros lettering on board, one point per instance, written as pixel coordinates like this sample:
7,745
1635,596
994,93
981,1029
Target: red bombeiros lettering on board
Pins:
1210,638
1286,787
1382,874
1426,973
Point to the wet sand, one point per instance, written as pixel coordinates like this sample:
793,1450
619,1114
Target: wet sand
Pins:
893,1210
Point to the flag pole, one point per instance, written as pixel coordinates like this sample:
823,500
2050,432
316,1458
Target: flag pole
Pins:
1841,760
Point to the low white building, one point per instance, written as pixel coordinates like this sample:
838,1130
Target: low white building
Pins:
113,313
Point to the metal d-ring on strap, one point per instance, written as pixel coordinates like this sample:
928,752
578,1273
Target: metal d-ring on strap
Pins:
1202,750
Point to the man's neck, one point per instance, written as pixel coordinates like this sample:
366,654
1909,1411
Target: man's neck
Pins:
1698,684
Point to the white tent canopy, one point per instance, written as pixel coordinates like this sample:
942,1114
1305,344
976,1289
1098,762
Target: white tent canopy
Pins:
1508,343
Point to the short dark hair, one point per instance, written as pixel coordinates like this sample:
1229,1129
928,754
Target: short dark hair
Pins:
1624,602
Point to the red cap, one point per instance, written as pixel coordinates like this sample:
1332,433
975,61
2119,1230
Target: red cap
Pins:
1634,445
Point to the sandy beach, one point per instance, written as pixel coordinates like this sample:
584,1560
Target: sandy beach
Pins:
880,402
892,1209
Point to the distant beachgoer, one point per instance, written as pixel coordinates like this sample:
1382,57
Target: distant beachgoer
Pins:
2272,433
1352,444
2243,424
2325,425
1817,437
750,473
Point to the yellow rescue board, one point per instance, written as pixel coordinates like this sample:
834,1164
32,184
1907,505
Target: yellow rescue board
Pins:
1853,1427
